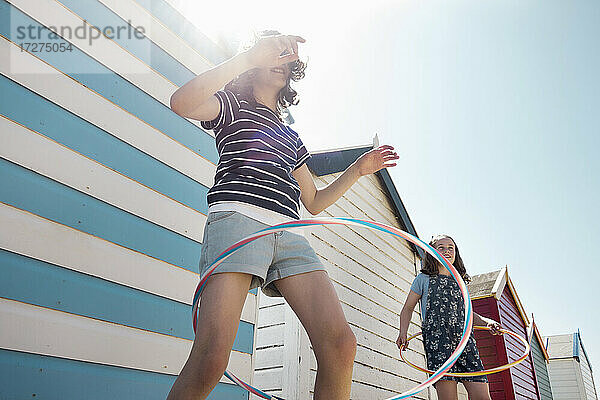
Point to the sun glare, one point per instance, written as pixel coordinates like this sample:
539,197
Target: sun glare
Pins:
234,21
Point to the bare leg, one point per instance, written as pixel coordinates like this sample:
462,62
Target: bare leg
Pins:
478,390
315,302
221,306
446,390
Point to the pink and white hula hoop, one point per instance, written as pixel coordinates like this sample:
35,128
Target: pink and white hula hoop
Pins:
437,375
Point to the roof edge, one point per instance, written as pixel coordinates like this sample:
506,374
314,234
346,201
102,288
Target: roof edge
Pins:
517,300
583,349
326,162
390,188
540,339
325,151
500,283
483,296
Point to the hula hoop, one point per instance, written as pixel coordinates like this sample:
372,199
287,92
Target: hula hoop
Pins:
478,373
437,375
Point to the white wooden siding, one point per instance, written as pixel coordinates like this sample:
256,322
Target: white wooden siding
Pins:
570,377
566,379
586,375
41,330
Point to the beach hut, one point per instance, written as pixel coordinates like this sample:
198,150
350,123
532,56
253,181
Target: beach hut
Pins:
494,296
540,364
102,201
570,369
371,273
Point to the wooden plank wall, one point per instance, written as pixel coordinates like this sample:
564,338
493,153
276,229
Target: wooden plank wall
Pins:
541,370
102,205
493,351
586,374
270,351
522,375
566,379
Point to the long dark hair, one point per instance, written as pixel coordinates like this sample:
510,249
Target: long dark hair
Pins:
430,265
242,85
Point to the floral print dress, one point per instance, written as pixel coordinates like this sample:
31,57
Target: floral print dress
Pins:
442,329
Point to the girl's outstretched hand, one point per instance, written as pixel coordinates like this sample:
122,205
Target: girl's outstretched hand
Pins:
376,159
402,341
494,327
273,51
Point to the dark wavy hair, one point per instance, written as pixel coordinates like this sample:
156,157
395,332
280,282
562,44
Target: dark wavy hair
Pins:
430,266
242,85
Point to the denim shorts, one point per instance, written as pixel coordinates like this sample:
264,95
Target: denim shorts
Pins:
272,257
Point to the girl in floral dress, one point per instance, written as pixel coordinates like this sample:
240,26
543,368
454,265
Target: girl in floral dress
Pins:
443,315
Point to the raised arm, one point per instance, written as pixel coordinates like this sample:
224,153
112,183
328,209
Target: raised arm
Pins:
196,98
494,326
316,200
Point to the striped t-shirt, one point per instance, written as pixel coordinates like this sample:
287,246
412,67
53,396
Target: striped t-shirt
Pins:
257,154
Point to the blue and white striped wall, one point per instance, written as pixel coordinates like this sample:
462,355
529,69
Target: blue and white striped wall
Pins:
102,206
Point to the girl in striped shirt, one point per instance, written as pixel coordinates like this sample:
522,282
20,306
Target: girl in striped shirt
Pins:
260,180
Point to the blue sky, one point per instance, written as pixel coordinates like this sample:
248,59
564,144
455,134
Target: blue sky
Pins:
493,108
